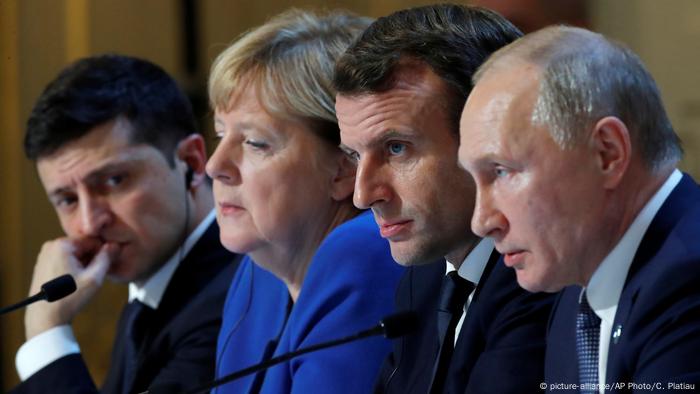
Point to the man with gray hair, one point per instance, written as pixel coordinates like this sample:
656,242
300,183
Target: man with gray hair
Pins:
575,161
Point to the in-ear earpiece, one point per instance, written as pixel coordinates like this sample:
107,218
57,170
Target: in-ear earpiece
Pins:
188,177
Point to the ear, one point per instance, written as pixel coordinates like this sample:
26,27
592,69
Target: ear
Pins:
344,180
613,150
191,150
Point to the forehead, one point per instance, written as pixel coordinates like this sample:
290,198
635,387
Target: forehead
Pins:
244,107
500,107
419,97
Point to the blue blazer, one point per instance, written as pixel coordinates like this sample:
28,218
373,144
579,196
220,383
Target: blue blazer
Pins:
349,287
179,344
500,348
658,316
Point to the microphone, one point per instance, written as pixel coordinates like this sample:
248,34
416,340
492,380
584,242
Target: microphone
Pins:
392,326
53,290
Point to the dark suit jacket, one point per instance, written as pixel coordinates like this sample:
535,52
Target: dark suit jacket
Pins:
658,314
180,341
500,348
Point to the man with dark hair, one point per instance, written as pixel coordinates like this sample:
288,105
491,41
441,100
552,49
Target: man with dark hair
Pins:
119,155
401,88
575,166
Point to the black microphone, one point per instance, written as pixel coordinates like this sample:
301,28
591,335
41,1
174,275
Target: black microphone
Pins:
392,326
53,290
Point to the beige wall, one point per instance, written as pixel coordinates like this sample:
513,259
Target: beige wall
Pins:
38,37
666,35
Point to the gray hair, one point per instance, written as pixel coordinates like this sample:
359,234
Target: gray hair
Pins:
585,77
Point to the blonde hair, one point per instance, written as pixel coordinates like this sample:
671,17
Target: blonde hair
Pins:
289,61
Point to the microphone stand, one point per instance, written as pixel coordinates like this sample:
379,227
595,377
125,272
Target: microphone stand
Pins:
36,297
285,357
391,327
53,290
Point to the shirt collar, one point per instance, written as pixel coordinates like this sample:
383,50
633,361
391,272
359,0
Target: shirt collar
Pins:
604,288
151,291
474,264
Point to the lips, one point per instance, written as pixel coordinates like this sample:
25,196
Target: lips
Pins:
227,209
514,258
394,229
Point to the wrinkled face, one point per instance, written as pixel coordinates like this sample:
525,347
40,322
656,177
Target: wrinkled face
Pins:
103,186
407,170
540,203
272,180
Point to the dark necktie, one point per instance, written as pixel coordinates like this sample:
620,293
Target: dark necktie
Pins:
587,338
453,295
134,315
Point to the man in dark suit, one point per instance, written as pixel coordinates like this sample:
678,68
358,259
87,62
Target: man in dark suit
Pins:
575,165
117,151
401,88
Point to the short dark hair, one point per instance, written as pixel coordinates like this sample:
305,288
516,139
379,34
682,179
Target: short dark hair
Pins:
98,89
453,40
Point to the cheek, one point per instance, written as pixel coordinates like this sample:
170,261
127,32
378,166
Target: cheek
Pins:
156,216
272,197
70,223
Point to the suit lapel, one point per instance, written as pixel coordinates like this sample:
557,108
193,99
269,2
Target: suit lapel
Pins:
414,354
470,341
205,261
561,363
684,196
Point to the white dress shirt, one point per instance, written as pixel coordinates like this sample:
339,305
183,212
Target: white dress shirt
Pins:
471,269
57,342
605,287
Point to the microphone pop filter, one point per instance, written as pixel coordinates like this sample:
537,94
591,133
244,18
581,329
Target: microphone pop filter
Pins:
58,288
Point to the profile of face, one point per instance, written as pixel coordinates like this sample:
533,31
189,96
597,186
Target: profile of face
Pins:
542,204
104,187
407,172
275,182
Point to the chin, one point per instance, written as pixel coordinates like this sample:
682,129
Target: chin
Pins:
535,284
409,257
119,277
237,244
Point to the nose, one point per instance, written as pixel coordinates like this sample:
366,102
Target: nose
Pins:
370,188
95,215
221,165
488,220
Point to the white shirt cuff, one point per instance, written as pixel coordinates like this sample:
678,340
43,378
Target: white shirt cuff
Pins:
44,349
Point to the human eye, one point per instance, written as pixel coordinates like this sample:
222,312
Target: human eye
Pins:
64,202
396,148
257,144
114,180
500,171
352,155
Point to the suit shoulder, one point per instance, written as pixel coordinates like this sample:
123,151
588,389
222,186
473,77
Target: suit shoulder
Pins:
354,251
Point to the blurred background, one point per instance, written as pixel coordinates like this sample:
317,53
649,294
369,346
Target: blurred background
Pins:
39,37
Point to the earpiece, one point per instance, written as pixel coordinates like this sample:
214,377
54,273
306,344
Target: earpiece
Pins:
188,177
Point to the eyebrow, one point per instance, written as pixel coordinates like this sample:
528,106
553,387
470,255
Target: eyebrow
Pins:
96,174
390,134
346,149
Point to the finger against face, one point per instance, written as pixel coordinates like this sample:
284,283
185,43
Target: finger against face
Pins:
105,188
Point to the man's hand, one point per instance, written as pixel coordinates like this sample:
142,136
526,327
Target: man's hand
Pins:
87,260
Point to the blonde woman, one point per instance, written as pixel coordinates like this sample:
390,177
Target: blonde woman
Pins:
316,267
